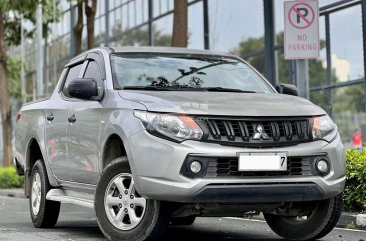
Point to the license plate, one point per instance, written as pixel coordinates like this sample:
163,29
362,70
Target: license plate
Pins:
262,162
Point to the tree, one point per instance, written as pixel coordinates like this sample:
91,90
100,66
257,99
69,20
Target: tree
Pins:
10,15
90,11
139,37
9,26
252,45
350,99
317,73
90,19
78,29
14,66
180,24
4,94
51,12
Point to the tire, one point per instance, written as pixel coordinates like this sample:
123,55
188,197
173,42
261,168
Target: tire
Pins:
183,220
150,217
318,224
44,213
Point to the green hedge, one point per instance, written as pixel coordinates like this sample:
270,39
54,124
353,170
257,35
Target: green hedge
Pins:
9,178
355,191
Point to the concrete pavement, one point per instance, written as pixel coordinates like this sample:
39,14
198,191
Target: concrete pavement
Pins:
77,223
347,219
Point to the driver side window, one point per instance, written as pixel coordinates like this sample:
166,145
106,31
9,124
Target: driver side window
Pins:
72,74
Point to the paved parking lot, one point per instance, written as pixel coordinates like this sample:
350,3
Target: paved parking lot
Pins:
76,223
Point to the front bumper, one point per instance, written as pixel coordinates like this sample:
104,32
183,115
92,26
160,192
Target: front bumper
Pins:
156,165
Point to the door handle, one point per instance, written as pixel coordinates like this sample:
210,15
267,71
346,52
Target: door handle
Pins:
72,119
50,117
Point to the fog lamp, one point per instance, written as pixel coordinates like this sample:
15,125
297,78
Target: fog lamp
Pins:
322,166
195,167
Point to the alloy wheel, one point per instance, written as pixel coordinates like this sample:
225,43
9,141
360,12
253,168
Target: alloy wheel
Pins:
124,207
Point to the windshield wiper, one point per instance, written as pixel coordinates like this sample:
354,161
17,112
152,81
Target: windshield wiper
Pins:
217,89
158,88
208,89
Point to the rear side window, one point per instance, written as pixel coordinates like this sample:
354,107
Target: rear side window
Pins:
73,73
93,71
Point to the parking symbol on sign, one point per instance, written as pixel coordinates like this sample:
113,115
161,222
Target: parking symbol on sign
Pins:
301,15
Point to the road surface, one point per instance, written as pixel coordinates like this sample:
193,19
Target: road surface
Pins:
79,224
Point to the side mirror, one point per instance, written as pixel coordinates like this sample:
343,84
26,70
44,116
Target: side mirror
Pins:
83,88
287,89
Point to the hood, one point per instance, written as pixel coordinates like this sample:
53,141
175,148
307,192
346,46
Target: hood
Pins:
223,103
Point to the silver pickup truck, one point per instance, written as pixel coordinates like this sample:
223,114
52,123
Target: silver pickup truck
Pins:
155,136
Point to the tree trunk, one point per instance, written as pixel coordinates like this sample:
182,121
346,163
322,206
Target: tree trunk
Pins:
180,28
90,18
78,29
4,99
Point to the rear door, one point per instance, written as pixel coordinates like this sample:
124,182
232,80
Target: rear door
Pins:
83,130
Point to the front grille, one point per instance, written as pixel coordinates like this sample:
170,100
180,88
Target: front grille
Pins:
228,167
244,132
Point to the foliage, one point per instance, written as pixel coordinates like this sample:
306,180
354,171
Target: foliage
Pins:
12,11
317,72
351,99
14,66
139,37
9,178
355,190
51,12
249,46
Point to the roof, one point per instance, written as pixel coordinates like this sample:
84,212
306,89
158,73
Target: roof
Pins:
171,50
167,50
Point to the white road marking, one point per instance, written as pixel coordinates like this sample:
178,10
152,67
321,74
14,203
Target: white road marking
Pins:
262,221
246,219
352,230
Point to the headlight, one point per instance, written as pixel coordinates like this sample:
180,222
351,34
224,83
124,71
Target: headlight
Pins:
324,128
175,127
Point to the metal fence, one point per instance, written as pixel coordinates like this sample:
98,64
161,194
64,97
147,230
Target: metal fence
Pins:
132,22
114,21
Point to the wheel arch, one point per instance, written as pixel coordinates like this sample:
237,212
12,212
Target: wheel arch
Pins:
113,148
34,153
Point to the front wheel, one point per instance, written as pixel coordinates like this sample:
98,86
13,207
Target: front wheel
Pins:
122,213
316,224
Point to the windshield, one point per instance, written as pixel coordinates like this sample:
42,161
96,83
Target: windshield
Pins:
185,72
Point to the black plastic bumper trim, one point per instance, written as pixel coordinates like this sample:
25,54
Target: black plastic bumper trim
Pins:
259,193
19,167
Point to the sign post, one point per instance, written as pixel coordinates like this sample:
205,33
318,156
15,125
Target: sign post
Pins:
301,29
301,39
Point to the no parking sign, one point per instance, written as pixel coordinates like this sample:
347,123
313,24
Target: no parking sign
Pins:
301,29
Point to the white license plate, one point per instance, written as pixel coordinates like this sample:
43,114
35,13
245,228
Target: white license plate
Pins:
262,161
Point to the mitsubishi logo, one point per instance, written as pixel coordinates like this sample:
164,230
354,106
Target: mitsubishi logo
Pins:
260,133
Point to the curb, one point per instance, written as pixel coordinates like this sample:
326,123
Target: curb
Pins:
347,220
18,193
352,220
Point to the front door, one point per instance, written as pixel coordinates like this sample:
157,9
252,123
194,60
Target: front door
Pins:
83,132
56,139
